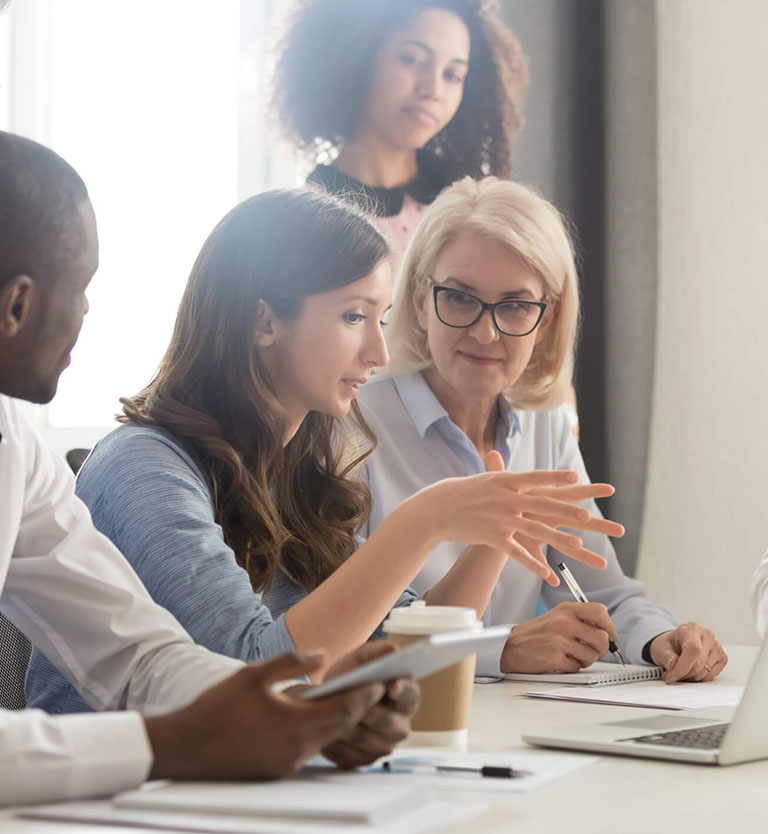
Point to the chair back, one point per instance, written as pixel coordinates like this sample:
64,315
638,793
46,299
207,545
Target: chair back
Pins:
15,650
76,458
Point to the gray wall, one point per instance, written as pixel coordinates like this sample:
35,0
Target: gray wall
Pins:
705,524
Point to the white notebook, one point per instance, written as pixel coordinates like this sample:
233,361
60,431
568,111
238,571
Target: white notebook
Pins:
345,797
598,674
653,695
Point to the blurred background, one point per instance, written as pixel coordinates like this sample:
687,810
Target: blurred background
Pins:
646,123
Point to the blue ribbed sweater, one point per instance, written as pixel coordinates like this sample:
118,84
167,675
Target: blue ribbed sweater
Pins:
148,495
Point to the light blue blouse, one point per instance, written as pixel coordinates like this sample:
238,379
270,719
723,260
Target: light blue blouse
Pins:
418,444
147,493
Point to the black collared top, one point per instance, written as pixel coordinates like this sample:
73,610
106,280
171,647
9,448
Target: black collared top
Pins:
384,202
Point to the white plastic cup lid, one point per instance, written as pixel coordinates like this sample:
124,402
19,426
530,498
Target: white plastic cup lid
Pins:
420,618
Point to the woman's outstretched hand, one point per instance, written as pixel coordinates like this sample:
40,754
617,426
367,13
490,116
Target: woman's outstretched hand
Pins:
516,513
571,494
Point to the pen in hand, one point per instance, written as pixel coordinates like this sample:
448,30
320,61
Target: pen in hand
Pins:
580,596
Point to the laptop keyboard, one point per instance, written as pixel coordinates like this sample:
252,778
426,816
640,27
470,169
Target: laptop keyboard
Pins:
700,738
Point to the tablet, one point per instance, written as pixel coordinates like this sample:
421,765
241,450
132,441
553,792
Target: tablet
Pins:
416,661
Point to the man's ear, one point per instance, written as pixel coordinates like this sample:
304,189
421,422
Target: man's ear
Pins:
265,326
421,297
16,301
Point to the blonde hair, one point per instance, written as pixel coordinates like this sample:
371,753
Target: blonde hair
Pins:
534,230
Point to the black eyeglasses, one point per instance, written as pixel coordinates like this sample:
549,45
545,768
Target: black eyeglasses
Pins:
456,308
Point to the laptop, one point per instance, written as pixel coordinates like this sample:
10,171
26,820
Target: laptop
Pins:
718,735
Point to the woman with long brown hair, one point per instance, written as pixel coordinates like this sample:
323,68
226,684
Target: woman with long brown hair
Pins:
228,485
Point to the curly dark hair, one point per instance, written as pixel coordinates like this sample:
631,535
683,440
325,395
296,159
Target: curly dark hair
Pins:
323,67
294,509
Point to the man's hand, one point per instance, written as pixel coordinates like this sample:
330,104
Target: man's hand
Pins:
569,637
689,653
386,722
241,729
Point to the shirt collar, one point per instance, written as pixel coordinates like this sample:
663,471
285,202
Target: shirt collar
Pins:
419,401
425,410
384,202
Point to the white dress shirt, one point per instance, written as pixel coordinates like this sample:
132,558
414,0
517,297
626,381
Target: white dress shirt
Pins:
76,598
419,444
759,595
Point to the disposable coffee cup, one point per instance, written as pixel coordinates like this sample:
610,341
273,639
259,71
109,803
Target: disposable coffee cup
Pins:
442,719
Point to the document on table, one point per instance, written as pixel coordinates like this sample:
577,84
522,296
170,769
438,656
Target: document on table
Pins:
544,768
650,694
433,814
315,795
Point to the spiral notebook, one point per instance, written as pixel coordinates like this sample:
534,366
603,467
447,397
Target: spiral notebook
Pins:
598,674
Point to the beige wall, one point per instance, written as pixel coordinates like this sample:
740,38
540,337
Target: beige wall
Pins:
706,519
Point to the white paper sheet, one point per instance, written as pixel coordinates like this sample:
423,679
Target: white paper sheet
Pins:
433,815
544,767
650,694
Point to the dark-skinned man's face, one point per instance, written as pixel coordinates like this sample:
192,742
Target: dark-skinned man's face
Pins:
35,357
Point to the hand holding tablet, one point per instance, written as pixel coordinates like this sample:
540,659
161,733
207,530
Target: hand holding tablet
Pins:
416,661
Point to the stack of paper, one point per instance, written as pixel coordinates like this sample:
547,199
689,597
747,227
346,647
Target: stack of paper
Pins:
651,694
313,803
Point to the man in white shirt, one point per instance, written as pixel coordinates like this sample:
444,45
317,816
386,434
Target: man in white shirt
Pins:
72,593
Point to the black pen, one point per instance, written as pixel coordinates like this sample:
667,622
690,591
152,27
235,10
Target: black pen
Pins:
580,596
416,765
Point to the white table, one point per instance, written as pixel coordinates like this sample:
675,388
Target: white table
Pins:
617,795
614,796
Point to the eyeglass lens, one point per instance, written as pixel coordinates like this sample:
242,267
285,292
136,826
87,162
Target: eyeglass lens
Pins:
459,309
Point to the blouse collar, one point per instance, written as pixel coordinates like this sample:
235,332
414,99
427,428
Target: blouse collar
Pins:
386,202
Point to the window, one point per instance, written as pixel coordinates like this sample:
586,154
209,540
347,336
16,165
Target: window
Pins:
157,105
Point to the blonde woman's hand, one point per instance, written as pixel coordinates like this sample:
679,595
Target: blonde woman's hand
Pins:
496,509
688,653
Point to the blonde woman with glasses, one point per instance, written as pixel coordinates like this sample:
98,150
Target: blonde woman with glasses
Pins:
482,340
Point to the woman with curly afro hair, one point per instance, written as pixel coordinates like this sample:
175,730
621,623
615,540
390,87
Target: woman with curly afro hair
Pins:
392,100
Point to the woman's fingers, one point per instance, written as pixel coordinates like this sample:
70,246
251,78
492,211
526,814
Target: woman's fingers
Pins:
594,525
524,481
564,512
494,462
580,492
533,560
546,534
566,543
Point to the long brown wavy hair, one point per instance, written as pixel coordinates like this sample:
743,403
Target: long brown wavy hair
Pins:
295,508
323,63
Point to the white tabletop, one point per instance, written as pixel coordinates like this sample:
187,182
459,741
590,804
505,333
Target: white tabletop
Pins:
614,796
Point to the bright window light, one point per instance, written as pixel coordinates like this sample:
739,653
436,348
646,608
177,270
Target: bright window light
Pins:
144,104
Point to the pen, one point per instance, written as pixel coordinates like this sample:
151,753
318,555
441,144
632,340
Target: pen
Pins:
580,596
415,765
